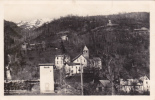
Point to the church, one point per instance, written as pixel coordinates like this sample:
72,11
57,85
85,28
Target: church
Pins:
82,60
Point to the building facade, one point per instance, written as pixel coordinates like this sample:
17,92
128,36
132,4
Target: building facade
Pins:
140,85
46,78
85,52
64,37
60,60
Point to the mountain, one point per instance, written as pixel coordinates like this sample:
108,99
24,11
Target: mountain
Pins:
33,24
12,34
103,41
131,49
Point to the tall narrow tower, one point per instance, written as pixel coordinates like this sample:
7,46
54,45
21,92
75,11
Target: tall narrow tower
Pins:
86,52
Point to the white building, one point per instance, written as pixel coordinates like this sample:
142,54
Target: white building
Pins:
72,68
79,61
8,75
46,78
82,62
146,83
60,60
85,52
141,85
24,47
64,37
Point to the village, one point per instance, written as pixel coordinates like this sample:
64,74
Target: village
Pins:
76,75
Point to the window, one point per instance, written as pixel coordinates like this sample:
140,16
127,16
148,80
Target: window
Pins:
57,62
57,58
77,60
84,60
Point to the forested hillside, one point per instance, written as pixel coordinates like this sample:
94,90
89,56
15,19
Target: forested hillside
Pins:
128,50
102,41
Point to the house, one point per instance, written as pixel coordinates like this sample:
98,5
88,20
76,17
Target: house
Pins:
97,62
111,24
126,86
32,46
81,59
103,84
8,74
72,68
140,85
64,37
146,83
141,31
24,47
82,62
60,60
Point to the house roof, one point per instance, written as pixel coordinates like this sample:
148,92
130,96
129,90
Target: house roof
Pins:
142,29
72,64
96,58
63,32
104,82
59,55
144,77
46,64
77,56
85,48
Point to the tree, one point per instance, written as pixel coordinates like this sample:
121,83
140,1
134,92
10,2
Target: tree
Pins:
112,70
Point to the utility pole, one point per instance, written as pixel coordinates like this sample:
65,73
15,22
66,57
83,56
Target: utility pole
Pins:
81,79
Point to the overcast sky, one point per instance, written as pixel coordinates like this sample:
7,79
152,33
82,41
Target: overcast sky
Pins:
30,11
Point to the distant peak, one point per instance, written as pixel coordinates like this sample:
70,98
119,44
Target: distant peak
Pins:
33,23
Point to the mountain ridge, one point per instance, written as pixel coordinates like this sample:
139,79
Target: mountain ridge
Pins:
33,24
104,42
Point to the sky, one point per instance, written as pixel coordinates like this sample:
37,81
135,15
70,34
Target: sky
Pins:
33,10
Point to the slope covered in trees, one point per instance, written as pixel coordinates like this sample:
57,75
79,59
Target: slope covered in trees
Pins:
103,41
120,47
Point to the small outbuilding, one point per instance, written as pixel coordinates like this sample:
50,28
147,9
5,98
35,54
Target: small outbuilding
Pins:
46,78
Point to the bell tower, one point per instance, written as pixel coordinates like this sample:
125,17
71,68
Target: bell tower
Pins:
86,52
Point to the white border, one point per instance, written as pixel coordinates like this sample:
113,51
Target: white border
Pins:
152,54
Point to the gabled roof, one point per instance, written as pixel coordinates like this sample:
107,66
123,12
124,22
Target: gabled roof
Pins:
97,58
72,64
104,82
46,64
85,48
78,57
144,77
